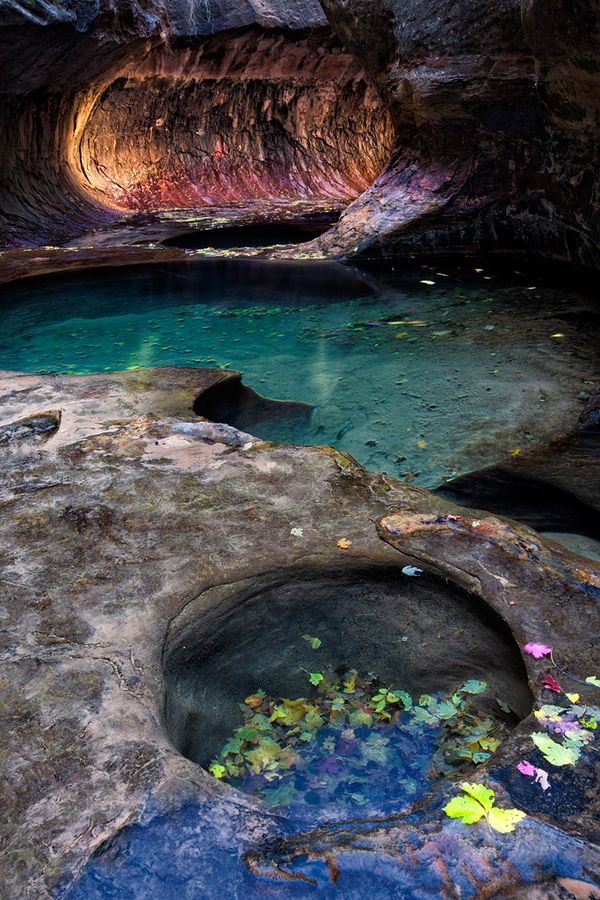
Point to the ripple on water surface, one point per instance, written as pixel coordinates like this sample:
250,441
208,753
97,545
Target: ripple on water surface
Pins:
420,373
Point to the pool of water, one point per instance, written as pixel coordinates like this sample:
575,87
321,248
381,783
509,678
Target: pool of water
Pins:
423,373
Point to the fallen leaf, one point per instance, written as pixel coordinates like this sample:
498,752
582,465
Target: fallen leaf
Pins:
344,543
556,754
478,803
551,684
314,642
421,445
426,281
572,697
525,768
412,571
504,820
515,451
537,650
297,532
591,679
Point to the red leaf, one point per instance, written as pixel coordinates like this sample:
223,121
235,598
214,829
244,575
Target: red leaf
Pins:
551,684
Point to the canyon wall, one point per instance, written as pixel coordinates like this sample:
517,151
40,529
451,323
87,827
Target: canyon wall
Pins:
446,126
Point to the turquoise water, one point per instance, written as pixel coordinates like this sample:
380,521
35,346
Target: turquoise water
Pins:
422,373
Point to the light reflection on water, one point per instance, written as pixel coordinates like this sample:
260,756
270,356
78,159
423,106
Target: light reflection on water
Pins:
422,381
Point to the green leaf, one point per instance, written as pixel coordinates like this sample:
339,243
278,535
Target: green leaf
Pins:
480,756
466,809
314,642
504,820
315,678
217,770
555,754
406,699
479,802
593,680
444,709
473,686
479,792
426,700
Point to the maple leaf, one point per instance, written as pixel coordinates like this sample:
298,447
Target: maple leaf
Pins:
554,753
537,650
504,820
473,686
540,775
344,543
315,678
551,684
479,802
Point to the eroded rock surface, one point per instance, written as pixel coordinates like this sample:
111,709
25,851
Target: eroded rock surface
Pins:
483,120
133,517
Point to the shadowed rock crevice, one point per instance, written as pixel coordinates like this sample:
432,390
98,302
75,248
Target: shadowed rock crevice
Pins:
233,403
418,634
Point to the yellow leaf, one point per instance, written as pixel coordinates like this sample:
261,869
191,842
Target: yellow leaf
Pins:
573,697
515,451
421,445
504,820
344,543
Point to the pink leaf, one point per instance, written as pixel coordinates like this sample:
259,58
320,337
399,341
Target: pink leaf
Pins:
525,768
551,684
541,776
537,650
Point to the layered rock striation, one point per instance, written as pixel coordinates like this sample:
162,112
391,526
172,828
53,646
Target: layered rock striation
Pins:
492,112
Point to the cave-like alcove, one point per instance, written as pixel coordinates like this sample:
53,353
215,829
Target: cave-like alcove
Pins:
235,118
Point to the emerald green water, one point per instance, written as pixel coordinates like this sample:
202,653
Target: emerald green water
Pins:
419,380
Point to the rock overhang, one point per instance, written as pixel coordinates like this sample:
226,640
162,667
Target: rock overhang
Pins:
130,530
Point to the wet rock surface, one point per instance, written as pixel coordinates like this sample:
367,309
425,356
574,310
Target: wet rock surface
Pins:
136,514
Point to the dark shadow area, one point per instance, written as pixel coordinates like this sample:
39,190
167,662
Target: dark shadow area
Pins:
232,403
249,236
418,634
537,504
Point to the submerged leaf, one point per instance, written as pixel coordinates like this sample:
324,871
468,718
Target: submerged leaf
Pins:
473,686
314,642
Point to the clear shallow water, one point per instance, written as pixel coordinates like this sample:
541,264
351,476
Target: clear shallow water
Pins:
420,380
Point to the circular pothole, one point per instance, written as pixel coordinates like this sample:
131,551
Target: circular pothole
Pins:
336,693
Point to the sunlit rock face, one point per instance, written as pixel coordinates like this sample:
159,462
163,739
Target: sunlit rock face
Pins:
254,115
493,111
